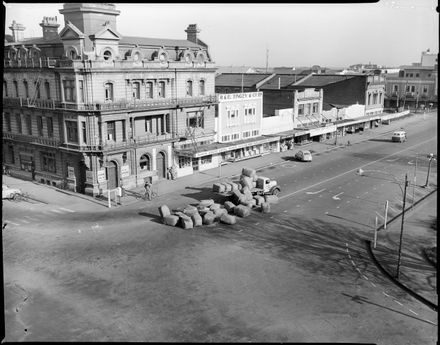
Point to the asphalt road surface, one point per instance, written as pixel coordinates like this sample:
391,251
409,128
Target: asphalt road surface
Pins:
75,272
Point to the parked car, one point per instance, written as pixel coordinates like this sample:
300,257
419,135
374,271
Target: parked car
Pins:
399,136
10,193
303,155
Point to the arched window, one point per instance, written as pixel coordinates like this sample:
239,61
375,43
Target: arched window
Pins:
72,54
107,55
189,88
108,91
145,162
202,87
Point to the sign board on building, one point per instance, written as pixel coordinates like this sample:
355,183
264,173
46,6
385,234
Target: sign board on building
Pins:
71,172
101,176
236,96
89,176
125,171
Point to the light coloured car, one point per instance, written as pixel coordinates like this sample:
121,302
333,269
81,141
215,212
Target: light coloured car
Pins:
304,156
10,193
399,136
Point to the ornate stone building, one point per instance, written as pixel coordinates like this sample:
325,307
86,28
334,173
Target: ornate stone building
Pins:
89,109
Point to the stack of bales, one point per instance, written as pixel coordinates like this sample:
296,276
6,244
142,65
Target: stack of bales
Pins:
205,213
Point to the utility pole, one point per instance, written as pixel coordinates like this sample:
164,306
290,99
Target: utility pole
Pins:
401,229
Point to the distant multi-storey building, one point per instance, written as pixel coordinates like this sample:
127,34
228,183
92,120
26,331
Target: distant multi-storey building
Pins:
414,86
90,109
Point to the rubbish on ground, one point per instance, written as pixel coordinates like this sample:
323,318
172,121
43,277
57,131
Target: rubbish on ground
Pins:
171,219
164,211
229,206
208,218
242,211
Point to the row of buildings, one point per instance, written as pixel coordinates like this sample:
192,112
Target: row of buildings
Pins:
88,109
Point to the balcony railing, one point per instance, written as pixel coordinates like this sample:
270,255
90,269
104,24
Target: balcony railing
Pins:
52,142
101,64
120,105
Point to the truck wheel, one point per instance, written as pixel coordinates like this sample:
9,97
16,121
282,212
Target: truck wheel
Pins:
275,191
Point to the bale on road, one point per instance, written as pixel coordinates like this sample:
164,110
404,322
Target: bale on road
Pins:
197,219
214,206
218,187
164,211
228,219
208,218
248,172
242,211
229,206
206,203
170,219
219,212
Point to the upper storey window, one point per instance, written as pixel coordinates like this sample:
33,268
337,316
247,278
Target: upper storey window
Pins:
5,89
26,88
16,88
108,87
136,90
189,88
202,87
162,89
69,90
107,55
149,89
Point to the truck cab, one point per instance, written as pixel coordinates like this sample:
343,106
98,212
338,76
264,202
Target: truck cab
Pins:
265,185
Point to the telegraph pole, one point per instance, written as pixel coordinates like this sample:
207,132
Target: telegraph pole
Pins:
401,229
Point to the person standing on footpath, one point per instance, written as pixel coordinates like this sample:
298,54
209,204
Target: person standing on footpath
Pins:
148,190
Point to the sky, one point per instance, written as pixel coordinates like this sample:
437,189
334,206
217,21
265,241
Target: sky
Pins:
387,33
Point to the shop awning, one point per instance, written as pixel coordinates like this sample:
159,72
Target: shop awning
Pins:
216,148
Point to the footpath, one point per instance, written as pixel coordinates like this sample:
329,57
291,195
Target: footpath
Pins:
417,272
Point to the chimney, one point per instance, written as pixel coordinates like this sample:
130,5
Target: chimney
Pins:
50,28
17,31
191,33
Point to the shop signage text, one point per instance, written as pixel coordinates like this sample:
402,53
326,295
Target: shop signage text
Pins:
235,96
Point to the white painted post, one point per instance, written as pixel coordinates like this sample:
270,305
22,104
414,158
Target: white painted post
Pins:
375,233
386,215
109,200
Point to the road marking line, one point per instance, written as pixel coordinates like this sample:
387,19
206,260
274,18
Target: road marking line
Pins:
66,209
397,302
349,255
319,191
392,208
365,277
353,262
380,215
392,160
355,169
30,218
25,221
56,211
385,294
9,222
335,197
413,312
373,284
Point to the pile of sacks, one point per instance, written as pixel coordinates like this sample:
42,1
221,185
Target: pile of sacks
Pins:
207,212
241,191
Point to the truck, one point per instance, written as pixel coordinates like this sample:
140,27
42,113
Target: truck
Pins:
265,186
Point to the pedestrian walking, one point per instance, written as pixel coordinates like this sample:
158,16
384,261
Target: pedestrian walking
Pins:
148,190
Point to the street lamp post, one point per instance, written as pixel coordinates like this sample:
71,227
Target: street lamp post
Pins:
401,229
431,158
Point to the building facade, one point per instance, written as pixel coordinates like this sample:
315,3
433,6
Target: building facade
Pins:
90,110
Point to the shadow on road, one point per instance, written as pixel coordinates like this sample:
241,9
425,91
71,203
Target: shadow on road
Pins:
153,217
